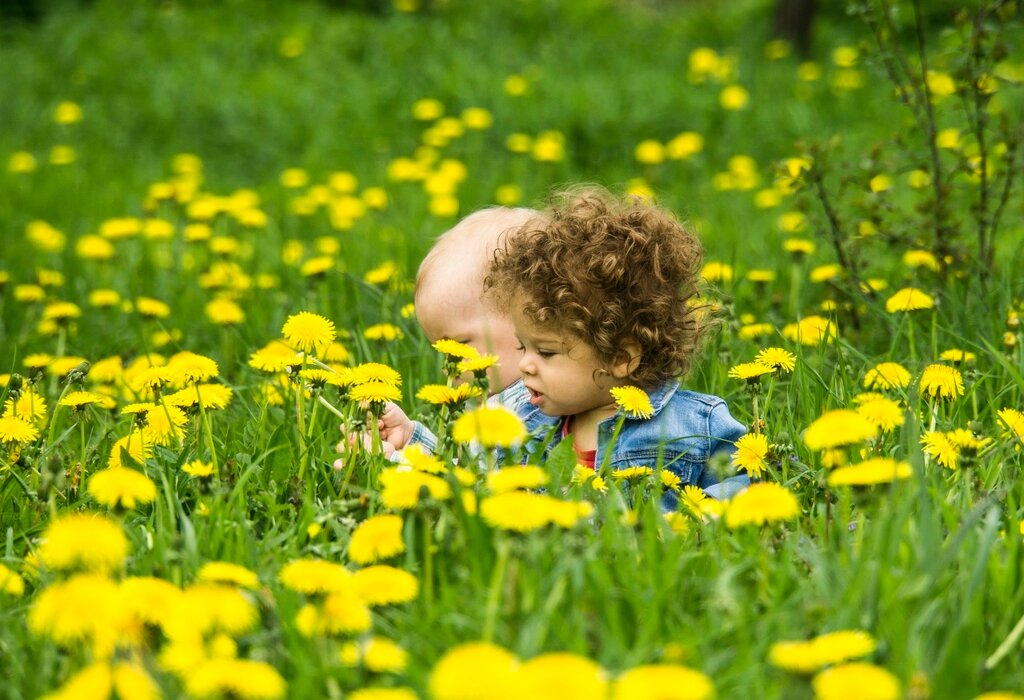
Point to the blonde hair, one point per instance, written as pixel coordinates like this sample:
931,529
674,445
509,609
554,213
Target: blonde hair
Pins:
473,240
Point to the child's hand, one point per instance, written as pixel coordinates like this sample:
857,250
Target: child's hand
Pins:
360,440
395,427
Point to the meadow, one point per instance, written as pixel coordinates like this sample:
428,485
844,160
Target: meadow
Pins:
211,217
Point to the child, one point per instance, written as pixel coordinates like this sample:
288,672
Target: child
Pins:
449,304
600,294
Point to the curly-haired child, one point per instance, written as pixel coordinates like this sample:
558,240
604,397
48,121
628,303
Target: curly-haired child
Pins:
601,294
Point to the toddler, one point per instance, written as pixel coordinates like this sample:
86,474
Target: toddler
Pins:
601,295
448,299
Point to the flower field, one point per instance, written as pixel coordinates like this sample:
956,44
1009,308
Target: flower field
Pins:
211,217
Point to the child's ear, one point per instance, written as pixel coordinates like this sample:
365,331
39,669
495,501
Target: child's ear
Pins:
627,360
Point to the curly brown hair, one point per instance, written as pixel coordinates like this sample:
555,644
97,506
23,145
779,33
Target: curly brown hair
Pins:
615,272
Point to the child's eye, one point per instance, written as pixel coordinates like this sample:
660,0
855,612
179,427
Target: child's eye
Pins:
520,347
545,353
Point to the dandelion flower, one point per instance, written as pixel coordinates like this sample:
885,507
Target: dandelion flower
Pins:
380,655
856,680
131,449
79,399
238,678
420,460
777,358
14,429
1014,422
662,682
562,676
477,365
751,454
837,428
958,356
632,474
491,427
383,331
881,411
401,490
375,372
516,478
224,312
878,470
198,469
378,537
311,576
228,573
118,487
212,396
443,395
475,670
939,447
692,498
84,541
811,330
887,375
518,511
455,350
308,331
761,503
400,693
343,612
909,299
633,401
375,392
29,406
942,381
750,371
11,583
275,356
191,368
824,650
385,585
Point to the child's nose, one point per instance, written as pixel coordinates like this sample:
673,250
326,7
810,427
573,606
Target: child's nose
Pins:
526,365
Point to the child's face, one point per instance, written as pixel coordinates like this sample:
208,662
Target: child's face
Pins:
559,371
470,322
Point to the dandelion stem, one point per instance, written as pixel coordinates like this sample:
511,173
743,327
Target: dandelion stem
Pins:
494,592
208,430
428,563
1011,641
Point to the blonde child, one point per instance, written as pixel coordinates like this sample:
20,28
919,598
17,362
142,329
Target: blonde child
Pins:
601,292
448,299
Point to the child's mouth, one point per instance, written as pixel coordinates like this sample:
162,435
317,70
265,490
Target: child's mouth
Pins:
535,396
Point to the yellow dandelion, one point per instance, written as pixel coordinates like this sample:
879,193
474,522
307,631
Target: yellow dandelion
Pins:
212,396
383,331
14,429
881,411
811,330
662,682
228,573
378,537
878,470
84,541
751,454
909,299
477,365
633,401
455,350
941,381
402,489
29,406
118,487
375,372
958,356
887,375
275,356
198,468
750,371
308,332
490,427
11,583
856,680
224,312
562,676
939,447
312,576
375,392
131,449
80,399
764,502
420,460
516,478
380,655
777,358
191,368
1014,422
385,585
238,678
837,428
475,670
519,511
444,395
632,474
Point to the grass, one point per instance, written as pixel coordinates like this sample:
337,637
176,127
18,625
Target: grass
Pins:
930,567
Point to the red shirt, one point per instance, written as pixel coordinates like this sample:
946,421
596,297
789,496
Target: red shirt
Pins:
586,457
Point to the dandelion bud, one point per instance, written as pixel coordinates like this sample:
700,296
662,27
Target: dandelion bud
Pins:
15,384
78,374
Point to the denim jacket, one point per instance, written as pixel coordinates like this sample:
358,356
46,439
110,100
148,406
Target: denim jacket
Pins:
684,431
